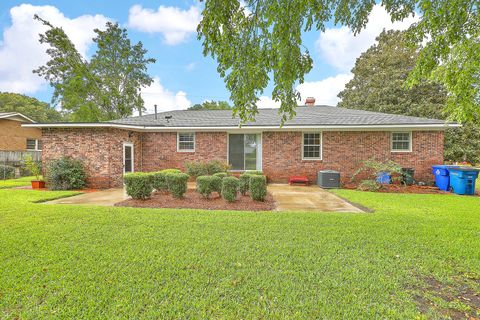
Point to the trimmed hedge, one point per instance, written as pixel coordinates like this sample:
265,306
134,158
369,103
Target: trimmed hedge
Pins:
204,186
255,173
258,187
220,174
230,188
6,172
66,174
244,184
177,183
139,185
159,179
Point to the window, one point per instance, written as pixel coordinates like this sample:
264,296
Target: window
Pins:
401,141
312,146
186,141
244,151
34,144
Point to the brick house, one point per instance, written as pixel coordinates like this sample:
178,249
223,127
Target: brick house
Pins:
318,137
15,138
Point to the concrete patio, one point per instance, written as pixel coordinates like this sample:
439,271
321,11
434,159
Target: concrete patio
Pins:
287,198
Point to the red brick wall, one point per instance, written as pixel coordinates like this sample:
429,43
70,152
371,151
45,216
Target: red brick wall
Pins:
160,149
102,152
100,149
344,151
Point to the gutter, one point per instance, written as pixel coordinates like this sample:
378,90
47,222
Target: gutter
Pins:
427,126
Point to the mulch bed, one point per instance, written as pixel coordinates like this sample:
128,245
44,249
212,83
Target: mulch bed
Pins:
399,188
193,200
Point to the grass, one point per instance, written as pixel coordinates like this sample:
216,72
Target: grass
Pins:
12,183
61,261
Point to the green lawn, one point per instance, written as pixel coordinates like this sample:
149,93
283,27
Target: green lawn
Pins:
60,261
12,183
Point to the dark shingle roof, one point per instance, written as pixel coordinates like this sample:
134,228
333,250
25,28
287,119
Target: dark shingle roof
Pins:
306,116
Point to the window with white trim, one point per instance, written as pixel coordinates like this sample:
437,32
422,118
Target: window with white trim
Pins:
185,141
34,145
312,146
401,141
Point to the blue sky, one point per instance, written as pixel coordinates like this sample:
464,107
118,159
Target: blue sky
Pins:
183,76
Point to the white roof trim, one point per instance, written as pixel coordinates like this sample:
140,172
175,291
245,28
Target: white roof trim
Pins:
15,114
427,126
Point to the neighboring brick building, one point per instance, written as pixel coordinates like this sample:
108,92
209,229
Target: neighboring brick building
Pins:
319,137
15,138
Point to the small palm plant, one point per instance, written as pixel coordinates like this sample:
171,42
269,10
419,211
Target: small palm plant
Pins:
34,168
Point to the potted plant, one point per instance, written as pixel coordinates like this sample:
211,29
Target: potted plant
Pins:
35,170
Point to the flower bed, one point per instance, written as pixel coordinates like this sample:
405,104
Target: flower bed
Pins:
194,200
399,188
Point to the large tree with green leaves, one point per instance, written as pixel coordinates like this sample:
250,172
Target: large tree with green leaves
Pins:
34,109
211,105
255,41
106,87
379,85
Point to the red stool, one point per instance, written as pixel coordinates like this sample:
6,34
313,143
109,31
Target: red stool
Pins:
298,179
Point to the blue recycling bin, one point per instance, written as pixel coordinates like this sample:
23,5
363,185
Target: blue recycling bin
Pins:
442,176
462,180
384,178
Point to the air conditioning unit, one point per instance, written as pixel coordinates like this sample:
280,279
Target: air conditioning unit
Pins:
328,179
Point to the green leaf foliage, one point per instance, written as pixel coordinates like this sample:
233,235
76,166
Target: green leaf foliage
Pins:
258,187
160,179
244,183
139,185
379,84
206,185
257,43
230,188
103,88
66,174
6,172
205,168
177,184
34,109
211,105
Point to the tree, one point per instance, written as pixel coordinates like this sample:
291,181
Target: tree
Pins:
211,105
262,39
31,107
378,85
106,87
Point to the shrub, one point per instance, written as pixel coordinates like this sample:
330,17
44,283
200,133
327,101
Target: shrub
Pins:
216,182
258,187
159,178
66,174
369,185
7,172
221,174
33,167
196,169
205,186
177,183
139,185
244,184
255,173
373,168
229,188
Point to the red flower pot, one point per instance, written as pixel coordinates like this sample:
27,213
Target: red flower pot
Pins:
36,184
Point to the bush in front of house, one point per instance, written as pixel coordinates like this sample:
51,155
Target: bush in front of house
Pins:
177,184
244,183
159,179
196,169
138,185
7,172
221,174
258,187
229,188
66,174
205,186
216,182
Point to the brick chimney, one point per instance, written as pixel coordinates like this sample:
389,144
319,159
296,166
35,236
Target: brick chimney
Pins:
310,101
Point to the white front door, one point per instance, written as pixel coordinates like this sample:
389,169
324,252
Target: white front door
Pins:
128,157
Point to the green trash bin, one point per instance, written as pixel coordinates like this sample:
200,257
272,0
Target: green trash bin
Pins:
407,176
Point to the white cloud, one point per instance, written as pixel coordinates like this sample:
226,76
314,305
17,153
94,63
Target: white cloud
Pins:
175,24
191,66
324,91
21,52
267,102
340,48
164,99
